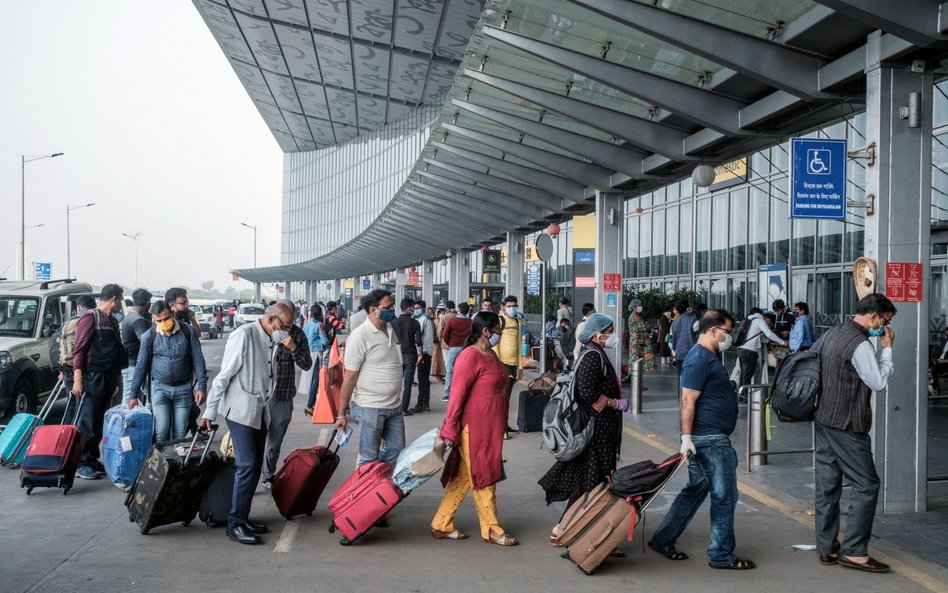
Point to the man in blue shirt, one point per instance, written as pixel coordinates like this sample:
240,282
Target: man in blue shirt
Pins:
801,335
708,417
682,331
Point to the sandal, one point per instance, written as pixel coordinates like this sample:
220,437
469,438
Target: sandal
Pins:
307,411
503,539
676,555
455,535
617,553
738,564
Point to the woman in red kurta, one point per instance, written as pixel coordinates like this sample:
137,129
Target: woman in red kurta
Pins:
474,424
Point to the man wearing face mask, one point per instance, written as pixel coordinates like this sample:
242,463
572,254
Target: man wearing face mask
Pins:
849,373
708,417
508,348
241,393
427,350
177,300
408,331
371,386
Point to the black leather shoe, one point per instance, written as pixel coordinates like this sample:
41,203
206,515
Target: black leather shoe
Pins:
828,559
256,528
871,565
242,535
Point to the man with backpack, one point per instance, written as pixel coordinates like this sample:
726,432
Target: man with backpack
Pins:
62,347
849,373
748,339
171,355
136,323
98,360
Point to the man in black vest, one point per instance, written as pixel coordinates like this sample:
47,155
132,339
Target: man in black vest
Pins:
849,374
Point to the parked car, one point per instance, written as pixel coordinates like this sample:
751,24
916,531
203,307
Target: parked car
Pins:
248,313
205,317
30,313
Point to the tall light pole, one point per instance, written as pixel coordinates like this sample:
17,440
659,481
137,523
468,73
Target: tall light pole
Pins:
24,159
68,246
250,226
134,237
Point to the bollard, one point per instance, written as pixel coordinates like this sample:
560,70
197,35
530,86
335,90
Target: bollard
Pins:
757,429
635,405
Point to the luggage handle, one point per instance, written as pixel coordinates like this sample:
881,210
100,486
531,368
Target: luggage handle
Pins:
82,398
207,446
59,388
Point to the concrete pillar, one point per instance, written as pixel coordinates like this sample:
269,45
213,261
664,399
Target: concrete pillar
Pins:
401,279
515,269
336,290
459,277
256,292
356,292
609,257
427,283
900,231
308,291
376,281
287,291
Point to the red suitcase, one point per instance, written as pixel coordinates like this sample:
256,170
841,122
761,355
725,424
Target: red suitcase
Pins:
362,500
296,488
53,456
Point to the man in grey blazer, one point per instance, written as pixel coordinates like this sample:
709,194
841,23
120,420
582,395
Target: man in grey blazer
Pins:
240,393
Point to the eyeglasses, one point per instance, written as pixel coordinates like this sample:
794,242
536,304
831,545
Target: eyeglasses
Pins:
885,320
181,303
727,331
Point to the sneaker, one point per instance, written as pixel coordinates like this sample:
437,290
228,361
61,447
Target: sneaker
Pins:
87,473
267,484
444,398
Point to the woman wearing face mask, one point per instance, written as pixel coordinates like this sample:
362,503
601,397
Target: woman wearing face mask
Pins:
597,389
474,424
638,338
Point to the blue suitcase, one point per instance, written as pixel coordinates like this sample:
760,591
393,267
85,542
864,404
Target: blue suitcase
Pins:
15,438
123,461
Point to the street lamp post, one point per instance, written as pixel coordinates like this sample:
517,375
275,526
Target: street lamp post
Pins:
250,226
134,237
68,246
24,159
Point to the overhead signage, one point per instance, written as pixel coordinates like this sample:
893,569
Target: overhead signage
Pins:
817,178
729,174
42,270
903,282
366,284
491,262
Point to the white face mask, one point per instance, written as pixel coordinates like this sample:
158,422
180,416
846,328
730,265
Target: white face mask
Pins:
726,344
638,309
612,341
493,340
279,335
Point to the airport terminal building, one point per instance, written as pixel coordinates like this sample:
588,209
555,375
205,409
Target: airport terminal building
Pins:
420,137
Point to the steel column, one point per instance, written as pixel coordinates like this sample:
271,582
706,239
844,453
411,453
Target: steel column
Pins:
610,254
516,278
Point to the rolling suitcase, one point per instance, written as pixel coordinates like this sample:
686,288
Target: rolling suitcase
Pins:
530,411
219,495
16,435
172,482
362,500
52,457
297,486
585,511
126,440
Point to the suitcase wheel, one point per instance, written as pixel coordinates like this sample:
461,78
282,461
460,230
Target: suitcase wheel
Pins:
345,542
332,528
144,530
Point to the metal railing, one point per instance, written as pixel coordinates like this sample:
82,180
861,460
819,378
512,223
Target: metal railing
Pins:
757,451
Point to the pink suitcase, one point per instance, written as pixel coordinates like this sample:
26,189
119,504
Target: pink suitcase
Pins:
364,498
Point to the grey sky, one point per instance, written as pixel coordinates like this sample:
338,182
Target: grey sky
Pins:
157,131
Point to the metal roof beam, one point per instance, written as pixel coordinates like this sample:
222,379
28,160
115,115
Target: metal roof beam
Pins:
526,193
489,221
775,64
581,171
470,230
707,108
530,209
499,207
560,186
642,133
611,155
913,20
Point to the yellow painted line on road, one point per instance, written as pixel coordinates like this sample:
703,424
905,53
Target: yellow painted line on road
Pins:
923,578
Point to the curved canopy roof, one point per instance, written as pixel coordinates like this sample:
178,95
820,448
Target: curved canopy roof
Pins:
556,99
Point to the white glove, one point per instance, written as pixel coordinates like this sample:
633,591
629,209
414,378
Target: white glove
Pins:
687,447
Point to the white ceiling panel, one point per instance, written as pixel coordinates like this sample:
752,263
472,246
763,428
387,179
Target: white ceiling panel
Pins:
222,24
335,60
297,46
342,106
371,68
408,77
416,24
371,112
372,20
290,11
283,91
313,99
459,23
263,43
329,15
440,78
254,7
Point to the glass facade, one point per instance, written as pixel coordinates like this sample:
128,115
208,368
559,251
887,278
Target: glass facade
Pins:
331,195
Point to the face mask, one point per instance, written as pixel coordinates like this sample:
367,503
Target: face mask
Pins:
728,340
182,316
638,309
279,335
166,325
876,332
493,340
387,315
511,311
417,313
612,341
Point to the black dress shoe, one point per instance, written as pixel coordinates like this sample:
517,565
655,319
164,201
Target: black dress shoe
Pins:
828,559
871,565
256,528
242,535
407,413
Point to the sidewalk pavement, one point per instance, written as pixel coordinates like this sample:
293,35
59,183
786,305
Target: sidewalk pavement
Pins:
84,543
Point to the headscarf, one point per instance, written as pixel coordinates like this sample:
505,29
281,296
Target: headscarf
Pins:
634,303
596,323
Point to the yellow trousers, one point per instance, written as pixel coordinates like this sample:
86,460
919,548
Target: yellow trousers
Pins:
485,499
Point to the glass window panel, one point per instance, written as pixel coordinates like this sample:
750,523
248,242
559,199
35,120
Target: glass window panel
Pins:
831,241
719,232
940,108
685,230
758,217
673,193
737,251
779,223
780,158
671,240
804,242
658,243
940,181
703,230
645,245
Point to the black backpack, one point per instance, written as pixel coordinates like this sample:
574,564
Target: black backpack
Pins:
637,482
742,330
795,391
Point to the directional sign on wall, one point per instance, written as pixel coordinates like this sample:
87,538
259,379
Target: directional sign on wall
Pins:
491,262
817,178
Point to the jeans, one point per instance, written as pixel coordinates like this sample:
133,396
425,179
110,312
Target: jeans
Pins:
248,453
409,363
171,406
385,426
99,388
749,359
449,367
712,470
844,453
314,385
127,376
424,381
281,412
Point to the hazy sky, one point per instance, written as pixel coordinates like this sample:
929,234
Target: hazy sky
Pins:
156,130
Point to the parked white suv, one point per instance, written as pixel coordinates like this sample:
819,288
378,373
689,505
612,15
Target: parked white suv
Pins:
31,312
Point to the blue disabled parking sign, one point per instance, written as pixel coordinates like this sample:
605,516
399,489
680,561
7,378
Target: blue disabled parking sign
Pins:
817,178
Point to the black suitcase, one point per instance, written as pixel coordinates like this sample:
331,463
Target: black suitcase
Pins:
170,486
530,413
217,499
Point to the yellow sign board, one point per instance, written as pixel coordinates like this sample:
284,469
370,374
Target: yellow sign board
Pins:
735,170
530,254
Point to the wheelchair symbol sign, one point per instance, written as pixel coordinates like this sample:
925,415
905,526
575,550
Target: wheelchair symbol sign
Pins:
818,161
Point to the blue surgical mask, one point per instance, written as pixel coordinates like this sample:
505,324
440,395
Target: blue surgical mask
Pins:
493,340
511,311
387,315
417,313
